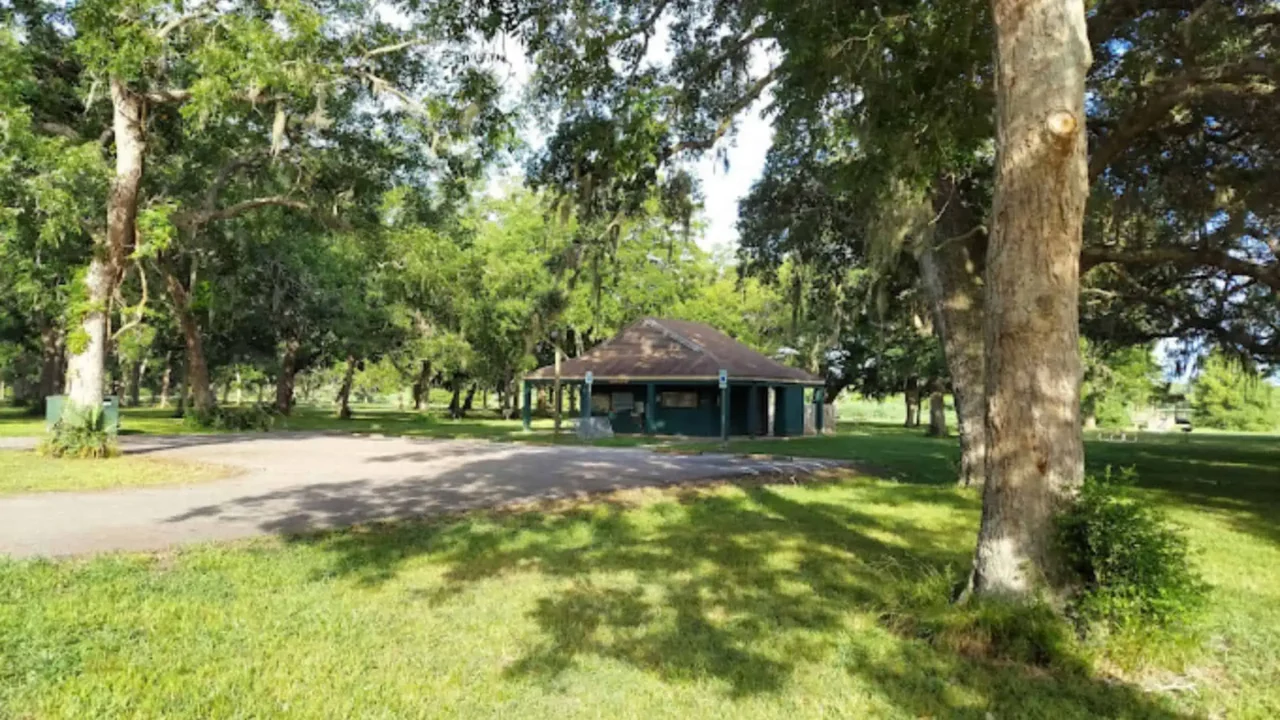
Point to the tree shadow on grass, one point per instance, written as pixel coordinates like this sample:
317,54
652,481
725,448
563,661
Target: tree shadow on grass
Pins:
1236,476
743,587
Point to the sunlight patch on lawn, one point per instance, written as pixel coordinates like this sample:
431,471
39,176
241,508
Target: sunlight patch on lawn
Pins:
26,472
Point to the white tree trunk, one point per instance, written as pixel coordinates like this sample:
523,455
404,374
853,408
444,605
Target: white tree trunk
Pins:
1035,456
86,365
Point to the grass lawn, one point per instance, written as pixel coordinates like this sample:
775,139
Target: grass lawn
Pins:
823,600
14,422
25,471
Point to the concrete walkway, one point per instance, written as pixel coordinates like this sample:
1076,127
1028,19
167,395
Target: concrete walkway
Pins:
294,482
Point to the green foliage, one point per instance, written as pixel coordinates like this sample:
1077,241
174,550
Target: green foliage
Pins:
1228,396
1117,382
79,433
1134,566
257,417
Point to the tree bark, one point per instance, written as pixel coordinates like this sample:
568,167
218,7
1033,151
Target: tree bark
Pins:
1035,457
87,365
937,413
50,362
951,269
284,380
455,402
182,391
468,401
911,396
132,378
344,392
197,368
422,387
164,380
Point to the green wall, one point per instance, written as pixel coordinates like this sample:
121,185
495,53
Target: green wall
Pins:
704,420
788,418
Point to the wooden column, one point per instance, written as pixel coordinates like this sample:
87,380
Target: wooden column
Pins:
724,413
651,409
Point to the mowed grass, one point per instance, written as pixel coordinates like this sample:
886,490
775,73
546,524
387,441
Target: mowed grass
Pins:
813,600
480,424
24,471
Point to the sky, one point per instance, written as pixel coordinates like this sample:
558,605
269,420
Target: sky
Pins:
726,175
721,190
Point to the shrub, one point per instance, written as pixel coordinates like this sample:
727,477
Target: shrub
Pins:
79,433
1134,566
257,417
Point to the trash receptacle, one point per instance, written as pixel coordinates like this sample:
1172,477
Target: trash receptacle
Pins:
53,410
55,404
111,414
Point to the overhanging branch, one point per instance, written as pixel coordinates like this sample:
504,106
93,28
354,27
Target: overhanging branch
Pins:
753,93
1186,258
1187,86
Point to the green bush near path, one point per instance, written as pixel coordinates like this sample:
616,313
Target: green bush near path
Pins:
745,601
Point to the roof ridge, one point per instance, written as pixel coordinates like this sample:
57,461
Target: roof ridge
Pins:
681,339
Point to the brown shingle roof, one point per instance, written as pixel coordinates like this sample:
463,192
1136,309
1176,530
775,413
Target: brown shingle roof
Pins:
655,348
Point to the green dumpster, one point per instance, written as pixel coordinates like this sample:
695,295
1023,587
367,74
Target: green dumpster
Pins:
54,405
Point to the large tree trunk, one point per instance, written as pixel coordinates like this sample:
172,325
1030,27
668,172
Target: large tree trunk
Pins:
937,412
469,400
344,392
50,362
422,386
197,368
165,379
136,373
455,402
87,364
911,395
182,391
513,393
951,269
284,380
1035,457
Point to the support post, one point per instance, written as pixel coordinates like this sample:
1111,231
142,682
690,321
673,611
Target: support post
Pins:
724,413
753,411
557,392
586,402
650,409
526,407
771,410
818,409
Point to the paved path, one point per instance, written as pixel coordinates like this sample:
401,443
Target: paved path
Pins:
302,481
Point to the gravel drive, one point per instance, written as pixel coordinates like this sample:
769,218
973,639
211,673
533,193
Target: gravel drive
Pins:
294,482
